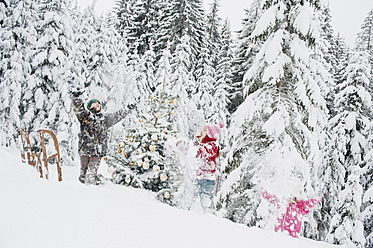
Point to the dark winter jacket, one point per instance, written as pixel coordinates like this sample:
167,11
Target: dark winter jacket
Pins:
94,127
208,151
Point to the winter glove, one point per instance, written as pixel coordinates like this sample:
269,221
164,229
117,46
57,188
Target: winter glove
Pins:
74,90
131,106
77,92
70,80
183,146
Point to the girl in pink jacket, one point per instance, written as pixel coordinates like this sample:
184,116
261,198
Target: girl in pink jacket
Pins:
207,152
291,220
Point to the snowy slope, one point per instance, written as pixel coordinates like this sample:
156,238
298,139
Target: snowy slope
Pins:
35,212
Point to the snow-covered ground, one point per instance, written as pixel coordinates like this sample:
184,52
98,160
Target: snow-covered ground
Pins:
40,213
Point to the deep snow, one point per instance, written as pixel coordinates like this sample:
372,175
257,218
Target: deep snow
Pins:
40,213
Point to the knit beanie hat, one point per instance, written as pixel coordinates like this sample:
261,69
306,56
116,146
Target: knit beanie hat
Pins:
214,130
90,102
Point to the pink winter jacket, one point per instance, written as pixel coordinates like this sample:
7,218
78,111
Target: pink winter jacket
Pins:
291,220
207,151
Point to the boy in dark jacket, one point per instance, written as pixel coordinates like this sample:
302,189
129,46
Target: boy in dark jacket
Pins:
93,135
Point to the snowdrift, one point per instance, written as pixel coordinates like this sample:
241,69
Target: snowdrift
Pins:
41,213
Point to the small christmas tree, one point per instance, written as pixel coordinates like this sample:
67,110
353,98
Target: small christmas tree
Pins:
142,159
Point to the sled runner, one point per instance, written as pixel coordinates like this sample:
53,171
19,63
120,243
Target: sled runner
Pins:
56,155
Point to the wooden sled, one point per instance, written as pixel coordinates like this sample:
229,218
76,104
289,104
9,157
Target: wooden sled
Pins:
37,159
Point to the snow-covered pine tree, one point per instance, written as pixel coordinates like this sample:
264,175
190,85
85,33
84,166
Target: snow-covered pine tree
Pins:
138,77
332,180
50,106
101,57
244,53
213,29
341,54
367,176
274,133
162,38
223,76
367,179
18,38
327,35
325,70
181,80
144,24
331,175
123,11
99,63
350,129
181,83
181,18
364,40
221,100
104,56
202,95
141,158
84,29
149,68
163,74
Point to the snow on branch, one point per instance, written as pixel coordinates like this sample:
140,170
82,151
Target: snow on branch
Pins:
268,19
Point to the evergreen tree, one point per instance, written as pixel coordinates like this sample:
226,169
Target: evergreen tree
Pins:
274,133
181,18
340,55
326,60
101,55
163,74
84,29
214,34
149,61
223,76
143,25
327,36
331,174
367,180
137,75
244,53
18,38
203,94
49,106
142,74
123,10
364,40
181,84
221,100
141,159
350,139
162,38
104,54
100,60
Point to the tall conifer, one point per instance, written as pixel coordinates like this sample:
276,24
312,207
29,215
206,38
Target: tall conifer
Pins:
274,133
350,132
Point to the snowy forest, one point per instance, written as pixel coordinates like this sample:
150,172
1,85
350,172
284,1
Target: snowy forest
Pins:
295,99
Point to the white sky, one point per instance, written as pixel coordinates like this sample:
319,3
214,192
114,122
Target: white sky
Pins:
348,15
